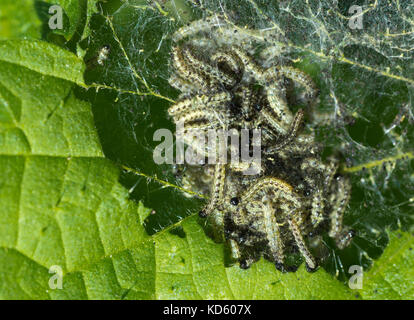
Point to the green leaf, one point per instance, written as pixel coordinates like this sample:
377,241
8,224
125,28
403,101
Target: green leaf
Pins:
18,19
41,57
391,276
29,19
191,267
74,12
60,199
76,19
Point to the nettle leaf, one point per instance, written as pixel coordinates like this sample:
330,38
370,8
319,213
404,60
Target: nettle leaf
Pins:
392,275
29,19
12,13
60,199
66,203
75,24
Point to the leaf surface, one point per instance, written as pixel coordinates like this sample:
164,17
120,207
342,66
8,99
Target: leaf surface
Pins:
392,275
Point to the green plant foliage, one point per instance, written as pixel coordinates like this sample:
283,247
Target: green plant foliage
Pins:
392,275
77,176
19,20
